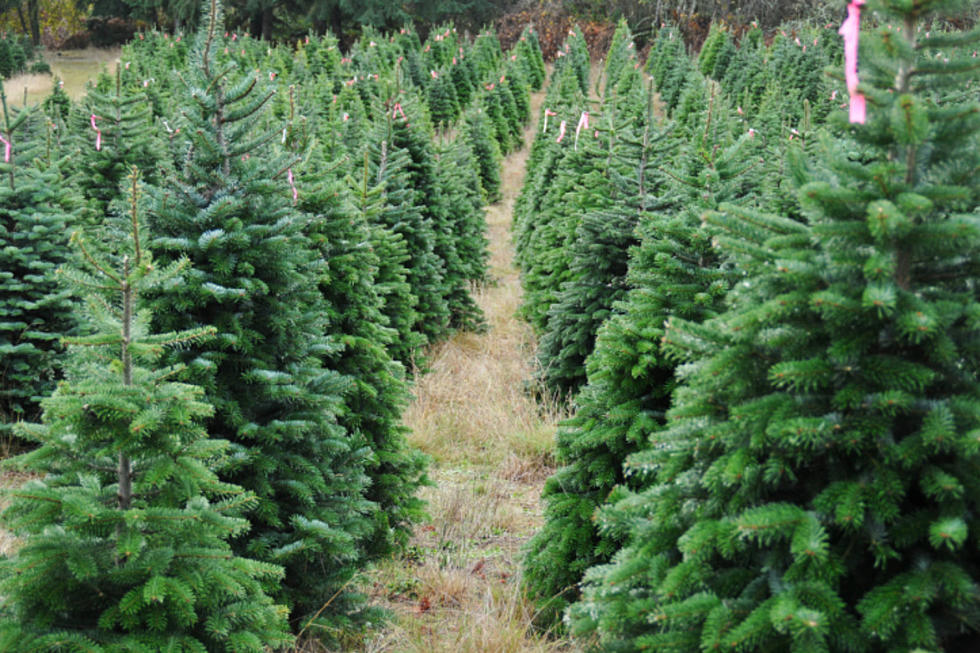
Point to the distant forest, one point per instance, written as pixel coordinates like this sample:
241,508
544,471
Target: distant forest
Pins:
54,23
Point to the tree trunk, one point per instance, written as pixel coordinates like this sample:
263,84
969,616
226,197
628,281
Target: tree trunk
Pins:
267,22
34,15
23,21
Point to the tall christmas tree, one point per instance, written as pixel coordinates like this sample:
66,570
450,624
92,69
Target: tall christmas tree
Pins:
229,208
673,272
815,488
376,390
618,197
35,217
374,204
125,537
114,130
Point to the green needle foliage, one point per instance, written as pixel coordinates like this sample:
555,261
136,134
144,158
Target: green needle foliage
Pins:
125,536
124,117
375,204
35,218
227,207
377,390
815,488
673,272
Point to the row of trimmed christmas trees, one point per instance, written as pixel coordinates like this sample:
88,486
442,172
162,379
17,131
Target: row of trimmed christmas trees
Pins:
265,238
775,441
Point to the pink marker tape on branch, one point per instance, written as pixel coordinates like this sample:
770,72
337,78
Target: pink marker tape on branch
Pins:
6,149
398,111
292,184
583,123
547,112
850,31
98,132
561,131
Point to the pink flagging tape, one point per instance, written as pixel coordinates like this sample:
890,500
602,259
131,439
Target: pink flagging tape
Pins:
583,123
98,132
6,149
547,112
850,31
561,131
292,184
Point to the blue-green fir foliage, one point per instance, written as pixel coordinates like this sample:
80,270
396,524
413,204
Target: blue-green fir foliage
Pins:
125,528
228,208
815,487
36,209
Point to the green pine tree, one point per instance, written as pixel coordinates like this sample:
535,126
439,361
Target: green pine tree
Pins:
228,208
125,137
36,213
815,488
673,272
479,134
374,204
618,196
377,390
124,539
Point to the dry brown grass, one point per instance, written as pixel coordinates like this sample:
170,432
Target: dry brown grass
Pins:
74,67
458,587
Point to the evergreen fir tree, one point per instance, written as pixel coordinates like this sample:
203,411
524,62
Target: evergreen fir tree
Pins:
598,253
460,214
35,215
229,210
672,272
442,101
377,390
408,162
815,487
125,538
374,204
479,134
123,136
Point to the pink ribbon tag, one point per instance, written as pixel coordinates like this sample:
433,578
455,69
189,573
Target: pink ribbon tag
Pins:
6,149
98,132
850,31
434,74
398,111
583,123
547,112
292,184
561,132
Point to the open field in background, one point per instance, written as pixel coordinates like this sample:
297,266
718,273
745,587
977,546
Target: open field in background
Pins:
74,67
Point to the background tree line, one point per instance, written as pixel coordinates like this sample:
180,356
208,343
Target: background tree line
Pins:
284,19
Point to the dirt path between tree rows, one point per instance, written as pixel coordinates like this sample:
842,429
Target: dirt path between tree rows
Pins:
457,589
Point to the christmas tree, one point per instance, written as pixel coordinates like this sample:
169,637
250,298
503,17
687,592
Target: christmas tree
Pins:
815,487
672,272
391,281
125,537
229,208
35,216
598,253
114,131
377,390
